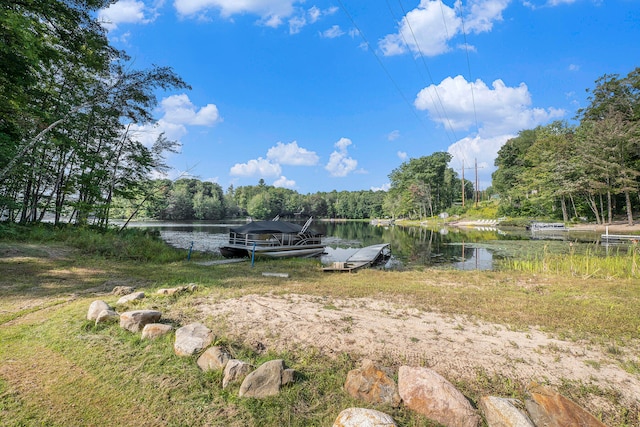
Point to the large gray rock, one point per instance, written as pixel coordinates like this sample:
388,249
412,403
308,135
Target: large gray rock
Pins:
426,392
131,297
361,417
235,371
550,409
501,412
95,308
155,330
213,359
372,384
191,339
264,381
135,320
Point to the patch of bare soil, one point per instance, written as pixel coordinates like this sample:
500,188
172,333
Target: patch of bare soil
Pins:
391,333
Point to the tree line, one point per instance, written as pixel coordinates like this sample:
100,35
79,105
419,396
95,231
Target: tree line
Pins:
420,187
589,170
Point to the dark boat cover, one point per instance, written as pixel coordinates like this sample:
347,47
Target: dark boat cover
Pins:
265,227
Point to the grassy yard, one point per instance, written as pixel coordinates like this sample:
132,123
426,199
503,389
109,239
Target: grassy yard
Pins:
58,369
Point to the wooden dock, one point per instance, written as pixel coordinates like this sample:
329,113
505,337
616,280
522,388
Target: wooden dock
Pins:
364,257
619,238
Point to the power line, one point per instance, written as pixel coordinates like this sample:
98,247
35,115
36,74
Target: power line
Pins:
344,9
424,62
466,48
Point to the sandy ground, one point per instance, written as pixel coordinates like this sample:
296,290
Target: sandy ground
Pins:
392,334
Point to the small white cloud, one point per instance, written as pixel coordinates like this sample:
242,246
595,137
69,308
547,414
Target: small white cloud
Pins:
292,154
314,14
340,164
256,167
125,12
402,155
271,12
383,187
333,32
574,67
393,135
283,182
296,24
180,110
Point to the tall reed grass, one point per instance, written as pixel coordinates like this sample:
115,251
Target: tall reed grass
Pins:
615,263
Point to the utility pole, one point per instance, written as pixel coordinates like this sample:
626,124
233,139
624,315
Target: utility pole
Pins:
463,187
476,192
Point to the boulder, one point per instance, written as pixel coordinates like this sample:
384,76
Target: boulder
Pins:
135,320
361,417
95,308
234,371
122,290
264,381
371,384
550,409
155,330
426,392
501,412
106,316
131,297
214,359
191,339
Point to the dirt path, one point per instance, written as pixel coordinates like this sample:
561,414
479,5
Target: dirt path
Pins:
453,346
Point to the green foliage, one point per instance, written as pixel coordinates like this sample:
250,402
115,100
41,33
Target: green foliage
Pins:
592,170
424,187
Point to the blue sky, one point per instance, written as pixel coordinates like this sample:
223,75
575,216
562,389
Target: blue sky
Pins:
335,94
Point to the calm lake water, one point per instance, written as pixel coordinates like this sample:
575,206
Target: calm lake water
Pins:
411,247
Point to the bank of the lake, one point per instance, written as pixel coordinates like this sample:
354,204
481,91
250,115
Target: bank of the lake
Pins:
488,332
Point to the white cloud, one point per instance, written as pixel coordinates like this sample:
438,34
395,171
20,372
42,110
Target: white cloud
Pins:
393,135
256,167
292,154
126,12
333,32
546,3
314,14
498,109
271,12
428,28
402,155
302,18
482,150
296,24
340,164
178,112
283,182
383,187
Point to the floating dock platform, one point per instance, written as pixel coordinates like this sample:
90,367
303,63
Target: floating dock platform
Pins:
364,257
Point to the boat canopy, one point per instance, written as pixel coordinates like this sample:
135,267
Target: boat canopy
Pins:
265,227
